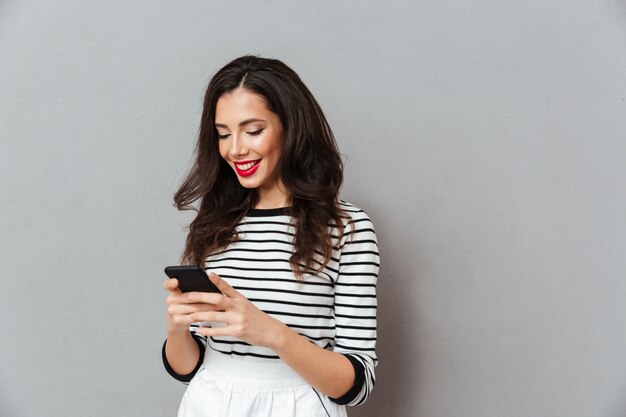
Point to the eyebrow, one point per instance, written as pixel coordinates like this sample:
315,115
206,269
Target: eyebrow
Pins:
243,123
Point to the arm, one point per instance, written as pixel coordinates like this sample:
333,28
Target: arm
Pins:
182,355
329,372
183,350
345,374
355,305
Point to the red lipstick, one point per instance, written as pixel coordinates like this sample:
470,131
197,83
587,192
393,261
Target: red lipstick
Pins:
249,171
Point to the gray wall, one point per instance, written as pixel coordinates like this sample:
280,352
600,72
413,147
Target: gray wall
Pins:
487,140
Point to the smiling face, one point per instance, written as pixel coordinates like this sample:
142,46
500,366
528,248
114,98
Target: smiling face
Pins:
250,140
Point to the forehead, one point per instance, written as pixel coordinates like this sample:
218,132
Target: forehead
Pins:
240,104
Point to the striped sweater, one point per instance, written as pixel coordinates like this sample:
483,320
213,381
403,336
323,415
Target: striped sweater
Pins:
335,309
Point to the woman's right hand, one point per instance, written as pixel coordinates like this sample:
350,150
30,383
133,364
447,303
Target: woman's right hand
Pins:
180,308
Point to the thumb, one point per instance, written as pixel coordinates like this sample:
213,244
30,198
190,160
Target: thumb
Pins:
223,286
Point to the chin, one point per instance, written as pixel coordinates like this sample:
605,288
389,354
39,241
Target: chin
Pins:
248,184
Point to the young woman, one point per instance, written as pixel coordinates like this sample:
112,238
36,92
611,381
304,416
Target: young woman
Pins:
294,331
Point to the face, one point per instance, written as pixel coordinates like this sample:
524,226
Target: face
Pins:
250,140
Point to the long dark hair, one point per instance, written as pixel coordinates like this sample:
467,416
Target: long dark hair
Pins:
310,167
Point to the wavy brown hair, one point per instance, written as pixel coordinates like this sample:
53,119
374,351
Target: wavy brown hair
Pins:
310,167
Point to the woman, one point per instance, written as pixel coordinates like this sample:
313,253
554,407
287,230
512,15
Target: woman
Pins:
293,332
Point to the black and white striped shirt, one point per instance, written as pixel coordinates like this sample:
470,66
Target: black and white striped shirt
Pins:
335,309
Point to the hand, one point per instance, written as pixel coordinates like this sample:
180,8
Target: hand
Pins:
242,318
180,307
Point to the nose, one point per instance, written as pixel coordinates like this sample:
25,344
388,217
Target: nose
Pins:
238,147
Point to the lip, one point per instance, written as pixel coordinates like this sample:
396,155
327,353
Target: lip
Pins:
249,171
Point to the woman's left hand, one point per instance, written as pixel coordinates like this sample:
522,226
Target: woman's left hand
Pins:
242,318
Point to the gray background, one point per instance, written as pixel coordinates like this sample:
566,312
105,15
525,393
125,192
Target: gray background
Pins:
487,141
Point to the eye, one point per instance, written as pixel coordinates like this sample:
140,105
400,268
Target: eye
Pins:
223,136
256,132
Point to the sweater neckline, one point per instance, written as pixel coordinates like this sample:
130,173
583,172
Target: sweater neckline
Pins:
279,211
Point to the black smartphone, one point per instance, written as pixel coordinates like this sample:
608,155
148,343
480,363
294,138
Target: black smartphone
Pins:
191,278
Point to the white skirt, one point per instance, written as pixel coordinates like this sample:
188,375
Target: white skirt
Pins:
236,387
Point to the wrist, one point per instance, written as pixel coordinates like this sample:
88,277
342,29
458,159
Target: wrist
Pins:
173,331
280,336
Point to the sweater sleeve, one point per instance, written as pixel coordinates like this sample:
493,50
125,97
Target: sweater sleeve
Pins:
201,341
355,305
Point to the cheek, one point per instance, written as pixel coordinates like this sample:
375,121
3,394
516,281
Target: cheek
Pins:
277,153
273,148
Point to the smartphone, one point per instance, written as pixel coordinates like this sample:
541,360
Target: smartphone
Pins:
191,278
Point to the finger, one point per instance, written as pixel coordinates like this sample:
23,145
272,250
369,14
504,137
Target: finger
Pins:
179,298
212,316
190,308
223,286
215,299
182,319
217,331
171,285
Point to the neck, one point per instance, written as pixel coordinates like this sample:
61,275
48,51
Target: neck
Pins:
275,197
271,204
